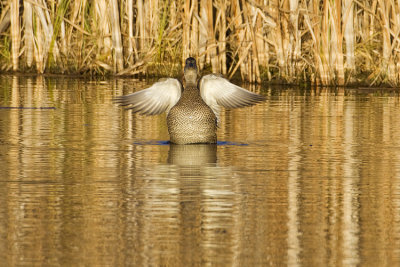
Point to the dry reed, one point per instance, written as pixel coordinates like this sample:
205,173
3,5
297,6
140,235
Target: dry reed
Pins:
323,42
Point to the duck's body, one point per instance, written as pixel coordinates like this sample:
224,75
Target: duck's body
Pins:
192,111
191,120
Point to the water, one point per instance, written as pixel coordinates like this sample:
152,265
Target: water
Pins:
308,178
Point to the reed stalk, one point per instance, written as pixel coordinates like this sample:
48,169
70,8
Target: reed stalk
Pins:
5,18
194,35
45,33
293,49
203,22
63,40
335,12
15,33
140,24
116,36
28,33
279,35
240,48
328,42
186,32
104,40
253,58
222,37
349,35
212,55
389,15
131,41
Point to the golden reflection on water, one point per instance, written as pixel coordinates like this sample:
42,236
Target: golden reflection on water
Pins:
310,177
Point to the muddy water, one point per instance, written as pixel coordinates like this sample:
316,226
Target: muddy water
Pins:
309,178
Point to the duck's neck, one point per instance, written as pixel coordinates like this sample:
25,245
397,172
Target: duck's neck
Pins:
191,77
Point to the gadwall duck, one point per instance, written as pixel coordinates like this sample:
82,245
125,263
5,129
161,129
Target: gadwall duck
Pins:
192,107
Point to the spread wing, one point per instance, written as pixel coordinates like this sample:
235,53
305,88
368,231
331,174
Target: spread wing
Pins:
156,99
217,91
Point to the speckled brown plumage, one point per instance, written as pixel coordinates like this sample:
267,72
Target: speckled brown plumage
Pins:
191,120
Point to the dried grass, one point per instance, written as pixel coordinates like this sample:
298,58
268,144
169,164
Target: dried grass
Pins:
324,42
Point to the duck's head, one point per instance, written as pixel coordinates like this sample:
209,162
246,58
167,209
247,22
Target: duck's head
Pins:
190,70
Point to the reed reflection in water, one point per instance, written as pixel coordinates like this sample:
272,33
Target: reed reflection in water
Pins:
310,177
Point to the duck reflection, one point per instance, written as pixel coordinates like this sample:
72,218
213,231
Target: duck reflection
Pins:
191,211
192,155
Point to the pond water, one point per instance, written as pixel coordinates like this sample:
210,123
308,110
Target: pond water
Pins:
307,178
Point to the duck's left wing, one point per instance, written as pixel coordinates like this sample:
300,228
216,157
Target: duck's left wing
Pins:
156,99
217,91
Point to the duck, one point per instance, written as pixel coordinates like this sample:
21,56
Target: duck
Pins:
193,105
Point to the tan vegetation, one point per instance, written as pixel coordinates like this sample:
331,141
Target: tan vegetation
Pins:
323,42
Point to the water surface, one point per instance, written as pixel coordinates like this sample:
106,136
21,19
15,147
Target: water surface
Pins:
308,178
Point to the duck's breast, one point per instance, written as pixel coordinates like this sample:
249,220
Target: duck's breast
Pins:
191,120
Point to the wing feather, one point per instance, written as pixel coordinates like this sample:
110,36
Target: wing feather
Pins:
158,98
217,91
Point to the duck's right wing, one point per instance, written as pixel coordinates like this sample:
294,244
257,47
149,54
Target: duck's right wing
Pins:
217,91
158,98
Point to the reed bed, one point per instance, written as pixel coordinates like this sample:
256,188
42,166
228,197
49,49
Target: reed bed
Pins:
330,42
